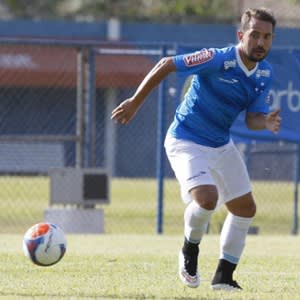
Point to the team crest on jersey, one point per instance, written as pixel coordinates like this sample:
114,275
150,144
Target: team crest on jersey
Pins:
198,57
263,73
268,99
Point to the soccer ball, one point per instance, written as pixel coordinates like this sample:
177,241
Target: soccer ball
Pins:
45,244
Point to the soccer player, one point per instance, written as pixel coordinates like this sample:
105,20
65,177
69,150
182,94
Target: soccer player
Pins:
205,161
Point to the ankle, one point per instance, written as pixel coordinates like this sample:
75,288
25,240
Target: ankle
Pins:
227,266
190,248
224,272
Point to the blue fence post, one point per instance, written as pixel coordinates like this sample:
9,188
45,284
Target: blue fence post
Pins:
160,150
296,193
90,110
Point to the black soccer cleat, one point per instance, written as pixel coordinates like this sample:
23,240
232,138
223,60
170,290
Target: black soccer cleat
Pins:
223,277
226,286
188,265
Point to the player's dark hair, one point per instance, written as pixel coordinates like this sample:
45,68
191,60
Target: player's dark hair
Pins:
262,14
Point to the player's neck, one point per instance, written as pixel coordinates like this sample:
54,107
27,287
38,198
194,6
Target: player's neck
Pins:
248,63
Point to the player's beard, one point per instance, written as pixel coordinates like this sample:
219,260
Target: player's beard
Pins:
253,58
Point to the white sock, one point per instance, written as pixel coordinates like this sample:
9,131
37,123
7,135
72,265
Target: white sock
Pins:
196,220
233,237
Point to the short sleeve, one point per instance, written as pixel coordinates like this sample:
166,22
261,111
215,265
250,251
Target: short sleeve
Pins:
200,62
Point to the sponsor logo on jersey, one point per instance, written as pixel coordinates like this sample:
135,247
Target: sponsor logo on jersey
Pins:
229,64
198,58
263,73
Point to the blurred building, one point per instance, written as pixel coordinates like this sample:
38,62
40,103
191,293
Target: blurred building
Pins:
286,12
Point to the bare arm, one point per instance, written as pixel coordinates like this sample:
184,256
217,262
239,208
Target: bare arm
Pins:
128,108
257,121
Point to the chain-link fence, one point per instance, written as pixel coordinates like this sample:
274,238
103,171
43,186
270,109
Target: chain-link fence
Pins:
38,132
56,100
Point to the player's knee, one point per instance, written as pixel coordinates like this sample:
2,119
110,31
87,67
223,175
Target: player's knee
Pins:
250,207
252,210
205,196
248,210
243,206
209,204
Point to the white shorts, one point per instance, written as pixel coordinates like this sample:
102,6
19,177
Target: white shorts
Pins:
195,165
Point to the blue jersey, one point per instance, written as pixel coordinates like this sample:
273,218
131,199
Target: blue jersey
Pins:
221,88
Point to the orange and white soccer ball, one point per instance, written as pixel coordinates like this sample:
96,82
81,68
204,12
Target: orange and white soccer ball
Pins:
44,244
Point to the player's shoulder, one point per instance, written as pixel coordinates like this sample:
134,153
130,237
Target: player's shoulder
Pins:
212,57
265,64
224,54
225,51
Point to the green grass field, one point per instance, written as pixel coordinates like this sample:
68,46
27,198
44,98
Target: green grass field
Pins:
130,261
123,267
133,206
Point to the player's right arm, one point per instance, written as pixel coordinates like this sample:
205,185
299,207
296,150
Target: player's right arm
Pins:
127,109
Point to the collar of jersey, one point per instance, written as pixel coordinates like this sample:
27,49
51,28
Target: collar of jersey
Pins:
242,65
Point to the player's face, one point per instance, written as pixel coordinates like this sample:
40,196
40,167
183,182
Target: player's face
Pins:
255,43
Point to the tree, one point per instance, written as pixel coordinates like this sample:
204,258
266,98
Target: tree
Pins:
167,11
34,9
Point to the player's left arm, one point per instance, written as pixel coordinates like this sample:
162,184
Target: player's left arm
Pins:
258,121
258,116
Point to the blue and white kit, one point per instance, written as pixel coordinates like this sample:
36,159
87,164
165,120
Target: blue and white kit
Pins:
198,143
221,88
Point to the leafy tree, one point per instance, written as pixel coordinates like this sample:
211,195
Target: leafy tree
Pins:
35,9
168,11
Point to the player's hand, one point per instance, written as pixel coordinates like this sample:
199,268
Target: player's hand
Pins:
273,121
124,112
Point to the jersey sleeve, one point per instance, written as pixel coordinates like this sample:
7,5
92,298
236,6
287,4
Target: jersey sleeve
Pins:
202,62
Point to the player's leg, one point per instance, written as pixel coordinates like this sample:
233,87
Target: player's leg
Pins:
232,240
234,186
196,218
197,187
198,212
